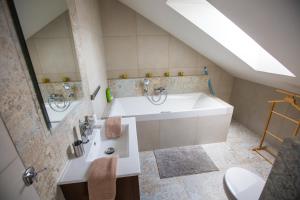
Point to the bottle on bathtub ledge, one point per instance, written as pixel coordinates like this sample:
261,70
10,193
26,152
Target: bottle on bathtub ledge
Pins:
109,96
209,84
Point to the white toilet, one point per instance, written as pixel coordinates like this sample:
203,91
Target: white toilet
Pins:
243,184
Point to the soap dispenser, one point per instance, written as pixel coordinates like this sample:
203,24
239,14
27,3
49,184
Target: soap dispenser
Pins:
109,96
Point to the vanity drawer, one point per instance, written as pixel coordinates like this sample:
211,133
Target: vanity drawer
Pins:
127,189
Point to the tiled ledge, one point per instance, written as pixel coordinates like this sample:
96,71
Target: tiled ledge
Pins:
174,85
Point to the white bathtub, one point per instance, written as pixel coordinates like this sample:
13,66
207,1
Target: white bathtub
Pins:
56,117
184,119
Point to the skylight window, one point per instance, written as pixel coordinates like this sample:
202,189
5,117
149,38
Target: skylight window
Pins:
223,30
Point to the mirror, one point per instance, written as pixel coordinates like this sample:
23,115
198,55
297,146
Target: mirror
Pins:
49,39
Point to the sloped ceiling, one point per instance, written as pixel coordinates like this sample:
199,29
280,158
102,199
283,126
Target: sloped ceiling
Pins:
36,14
275,25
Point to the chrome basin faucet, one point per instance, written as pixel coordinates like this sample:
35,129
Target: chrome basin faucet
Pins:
146,84
86,129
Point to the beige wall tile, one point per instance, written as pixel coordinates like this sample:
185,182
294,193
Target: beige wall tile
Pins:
117,19
58,77
56,29
214,73
187,71
181,56
154,72
146,27
131,73
55,55
203,61
218,126
182,132
34,56
178,135
52,50
120,52
223,87
157,51
251,108
225,96
148,135
153,51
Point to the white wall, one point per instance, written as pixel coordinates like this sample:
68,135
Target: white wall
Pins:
89,48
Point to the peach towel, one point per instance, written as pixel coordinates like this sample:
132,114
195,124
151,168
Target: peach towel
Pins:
113,127
102,179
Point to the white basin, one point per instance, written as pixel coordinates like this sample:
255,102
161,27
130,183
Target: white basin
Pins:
76,170
100,143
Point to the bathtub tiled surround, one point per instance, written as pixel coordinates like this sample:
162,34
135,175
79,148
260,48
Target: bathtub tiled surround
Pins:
159,134
174,85
58,88
184,119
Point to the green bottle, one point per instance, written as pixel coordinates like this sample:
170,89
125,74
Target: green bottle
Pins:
109,96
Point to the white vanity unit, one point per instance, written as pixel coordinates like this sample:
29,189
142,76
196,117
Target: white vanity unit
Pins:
73,180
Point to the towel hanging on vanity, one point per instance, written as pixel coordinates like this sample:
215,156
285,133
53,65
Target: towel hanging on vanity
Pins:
102,179
113,127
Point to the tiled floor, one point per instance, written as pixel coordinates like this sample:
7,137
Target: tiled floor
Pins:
236,151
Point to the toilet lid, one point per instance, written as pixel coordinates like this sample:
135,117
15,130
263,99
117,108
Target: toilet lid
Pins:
243,184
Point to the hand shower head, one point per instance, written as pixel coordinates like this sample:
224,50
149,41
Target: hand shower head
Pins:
146,82
67,86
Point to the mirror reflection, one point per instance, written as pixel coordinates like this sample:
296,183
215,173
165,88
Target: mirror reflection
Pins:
47,30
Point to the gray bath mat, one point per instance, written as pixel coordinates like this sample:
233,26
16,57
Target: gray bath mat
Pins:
181,161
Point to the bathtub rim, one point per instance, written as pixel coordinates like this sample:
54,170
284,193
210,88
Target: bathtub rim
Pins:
224,109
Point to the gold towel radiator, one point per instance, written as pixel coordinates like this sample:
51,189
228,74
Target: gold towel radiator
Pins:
290,98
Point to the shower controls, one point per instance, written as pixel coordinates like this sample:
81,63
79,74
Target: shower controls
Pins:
156,98
146,84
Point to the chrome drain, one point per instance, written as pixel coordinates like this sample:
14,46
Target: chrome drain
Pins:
109,150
